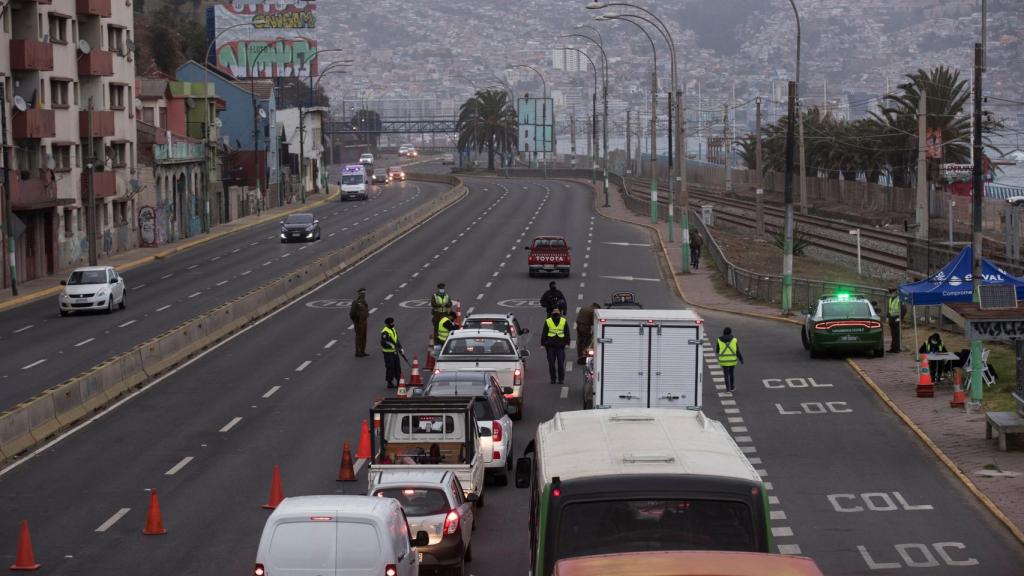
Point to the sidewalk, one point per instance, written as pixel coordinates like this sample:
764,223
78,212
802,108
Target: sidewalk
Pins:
45,286
957,438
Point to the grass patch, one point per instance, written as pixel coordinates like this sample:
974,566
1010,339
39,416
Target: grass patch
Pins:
1003,359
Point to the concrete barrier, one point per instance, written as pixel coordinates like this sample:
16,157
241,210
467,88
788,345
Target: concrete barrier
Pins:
32,422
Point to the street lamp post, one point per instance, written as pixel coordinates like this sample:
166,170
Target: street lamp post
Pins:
593,113
314,87
787,246
257,113
604,90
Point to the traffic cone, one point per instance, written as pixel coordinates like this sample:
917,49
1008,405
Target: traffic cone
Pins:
403,392
958,391
430,352
276,492
347,473
925,389
458,312
415,379
364,443
154,521
25,560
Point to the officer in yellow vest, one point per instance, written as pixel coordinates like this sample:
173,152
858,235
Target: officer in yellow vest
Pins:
391,347
440,304
555,338
728,355
894,311
445,326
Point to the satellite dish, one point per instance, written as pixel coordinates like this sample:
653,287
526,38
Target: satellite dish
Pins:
134,185
138,104
20,104
50,162
84,47
218,122
46,37
130,44
262,113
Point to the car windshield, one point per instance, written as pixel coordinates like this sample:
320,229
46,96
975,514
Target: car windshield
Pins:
478,347
549,244
87,277
475,323
395,169
379,172
299,219
849,309
417,501
612,527
352,179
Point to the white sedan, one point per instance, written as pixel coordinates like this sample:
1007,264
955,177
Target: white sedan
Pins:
92,288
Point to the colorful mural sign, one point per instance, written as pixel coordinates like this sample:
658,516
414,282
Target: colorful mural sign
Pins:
264,38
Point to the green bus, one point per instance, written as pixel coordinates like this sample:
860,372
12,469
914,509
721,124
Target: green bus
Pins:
639,479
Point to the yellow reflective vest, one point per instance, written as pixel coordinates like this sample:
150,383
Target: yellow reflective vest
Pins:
727,352
392,339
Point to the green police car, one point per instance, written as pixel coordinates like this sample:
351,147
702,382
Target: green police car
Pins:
843,323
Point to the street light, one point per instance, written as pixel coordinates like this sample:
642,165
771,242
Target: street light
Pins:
604,89
593,114
302,115
787,246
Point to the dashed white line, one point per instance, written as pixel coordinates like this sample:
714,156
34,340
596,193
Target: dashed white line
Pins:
790,549
372,310
488,285
403,284
781,531
215,258
303,365
389,297
743,439
271,392
236,250
748,449
34,364
267,263
221,283
84,342
113,520
286,255
415,274
331,235
194,294
234,422
166,276
253,243
177,467
128,323
23,328
192,267
564,393
329,344
246,273
480,296
162,308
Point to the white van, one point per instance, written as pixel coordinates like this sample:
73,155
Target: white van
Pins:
355,182
338,536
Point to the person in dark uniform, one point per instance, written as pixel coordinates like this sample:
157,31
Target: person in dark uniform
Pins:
894,312
445,327
555,339
360,316
440,304
391,347
553,298
585,331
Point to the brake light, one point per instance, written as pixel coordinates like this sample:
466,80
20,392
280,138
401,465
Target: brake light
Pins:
496,431
391,570
451,522
590,352
821,326
874,324
437,371
259,571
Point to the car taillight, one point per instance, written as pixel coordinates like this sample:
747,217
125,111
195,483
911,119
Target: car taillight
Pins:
874,324
451,522
517,375
496,431
821,326
259,571
391,570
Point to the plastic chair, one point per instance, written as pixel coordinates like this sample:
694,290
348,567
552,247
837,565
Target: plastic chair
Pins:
986,375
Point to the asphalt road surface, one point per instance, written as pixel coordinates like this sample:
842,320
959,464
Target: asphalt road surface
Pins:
288,391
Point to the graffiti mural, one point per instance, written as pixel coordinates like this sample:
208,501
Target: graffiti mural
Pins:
996,330
285,31
284,57
147,226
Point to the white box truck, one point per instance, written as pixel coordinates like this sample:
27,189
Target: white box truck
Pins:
645,359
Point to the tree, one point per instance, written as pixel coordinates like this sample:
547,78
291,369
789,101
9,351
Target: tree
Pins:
294,92
487,120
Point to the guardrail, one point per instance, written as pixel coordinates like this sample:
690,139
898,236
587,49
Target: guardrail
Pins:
31,423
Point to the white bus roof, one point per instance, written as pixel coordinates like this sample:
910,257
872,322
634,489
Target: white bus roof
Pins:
612,314
588,443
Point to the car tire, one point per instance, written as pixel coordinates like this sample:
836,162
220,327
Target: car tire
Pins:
110,304
124,300
804,339
880,352
63,312
468,556
480,500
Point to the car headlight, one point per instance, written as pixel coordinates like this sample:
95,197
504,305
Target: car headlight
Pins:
309,228
102,291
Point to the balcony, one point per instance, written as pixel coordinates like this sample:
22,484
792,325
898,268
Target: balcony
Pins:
33,123
178,152
31,55
106,184
96,63
99,8
34,193
102,123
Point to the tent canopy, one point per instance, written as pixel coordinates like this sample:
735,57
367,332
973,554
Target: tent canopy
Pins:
953,282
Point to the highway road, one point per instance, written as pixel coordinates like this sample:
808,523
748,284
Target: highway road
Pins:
288,391
42,349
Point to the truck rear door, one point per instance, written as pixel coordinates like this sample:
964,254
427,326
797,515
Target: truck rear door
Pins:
624,366
675,366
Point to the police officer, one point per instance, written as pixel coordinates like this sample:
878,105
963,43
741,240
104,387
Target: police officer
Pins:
584,331
728,355
895,312
555,338
360,315
440,303
445,326
391,347
553,298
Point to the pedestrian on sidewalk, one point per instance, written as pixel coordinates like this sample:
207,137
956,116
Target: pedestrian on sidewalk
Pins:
359,313
391,347
728,355
555,339
696,243
585,332
895,310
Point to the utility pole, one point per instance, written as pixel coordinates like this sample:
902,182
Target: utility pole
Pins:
572,129
604,130
922,165
758,177
684,194
787,247
725,146
973,403
5,179
629,144
671,188
302,153
654,147
90,212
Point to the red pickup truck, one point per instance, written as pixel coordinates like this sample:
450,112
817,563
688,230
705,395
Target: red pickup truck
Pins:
549,254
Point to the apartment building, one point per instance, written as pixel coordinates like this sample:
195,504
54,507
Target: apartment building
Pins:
67,76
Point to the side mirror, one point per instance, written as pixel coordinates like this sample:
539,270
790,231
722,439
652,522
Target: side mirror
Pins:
472,497
113,280
524,353
282,221
523,470
484,432
421,539
63,282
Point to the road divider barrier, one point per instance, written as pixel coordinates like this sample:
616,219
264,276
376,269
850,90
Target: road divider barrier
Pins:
30,423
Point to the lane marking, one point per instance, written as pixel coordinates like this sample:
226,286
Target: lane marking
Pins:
113,520
790,549
329,344
331,235
192,267
286,255
215,258
246,273
140,286
128,323
34,364
470,311
162,308
740,429
781,531
194,294
270,392
23,328
372,310
748,449
773,500
743,439
222,282
166,276
488,285
403,284
389,297
359,465
480,296
177,467
303,365
234,421
267,263
84,342
253,243
236,250
565,392
735,419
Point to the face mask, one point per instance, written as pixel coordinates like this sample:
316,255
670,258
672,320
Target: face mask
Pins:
556,316
440,290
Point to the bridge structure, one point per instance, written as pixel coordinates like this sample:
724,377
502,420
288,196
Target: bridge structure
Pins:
426,125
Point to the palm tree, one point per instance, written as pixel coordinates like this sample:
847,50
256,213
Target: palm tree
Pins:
488,120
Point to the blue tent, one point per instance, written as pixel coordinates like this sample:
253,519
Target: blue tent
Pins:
953,282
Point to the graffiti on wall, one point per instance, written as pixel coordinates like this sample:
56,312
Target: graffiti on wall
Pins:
285,28
267,59
147,226
996,330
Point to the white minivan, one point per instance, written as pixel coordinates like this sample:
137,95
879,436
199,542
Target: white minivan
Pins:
355,182
338,536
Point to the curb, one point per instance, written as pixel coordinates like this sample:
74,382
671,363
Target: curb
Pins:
921,435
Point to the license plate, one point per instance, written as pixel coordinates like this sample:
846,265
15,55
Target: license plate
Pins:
296,234
849,338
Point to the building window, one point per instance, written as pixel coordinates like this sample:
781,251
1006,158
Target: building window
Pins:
78,155
58,29
79,219
131,154
69,215
115,39
116,153
163,116
42,91
62,158
120,213
147,115
116,97
59,93
102,208
74,88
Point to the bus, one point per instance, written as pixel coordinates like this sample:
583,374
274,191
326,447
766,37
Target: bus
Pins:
639,479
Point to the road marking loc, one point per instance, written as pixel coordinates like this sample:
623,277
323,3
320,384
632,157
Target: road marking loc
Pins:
246,273
790,549
234,422
329,344
564,393
162,308
34,364
166,276
177,467
192,267
194,294
781,531
113,520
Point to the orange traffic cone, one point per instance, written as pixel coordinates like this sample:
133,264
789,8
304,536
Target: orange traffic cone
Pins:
276,492
25,560
403,392
415,379
924,380
364,443
958,391
154,521
347,473
458,312
430,352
